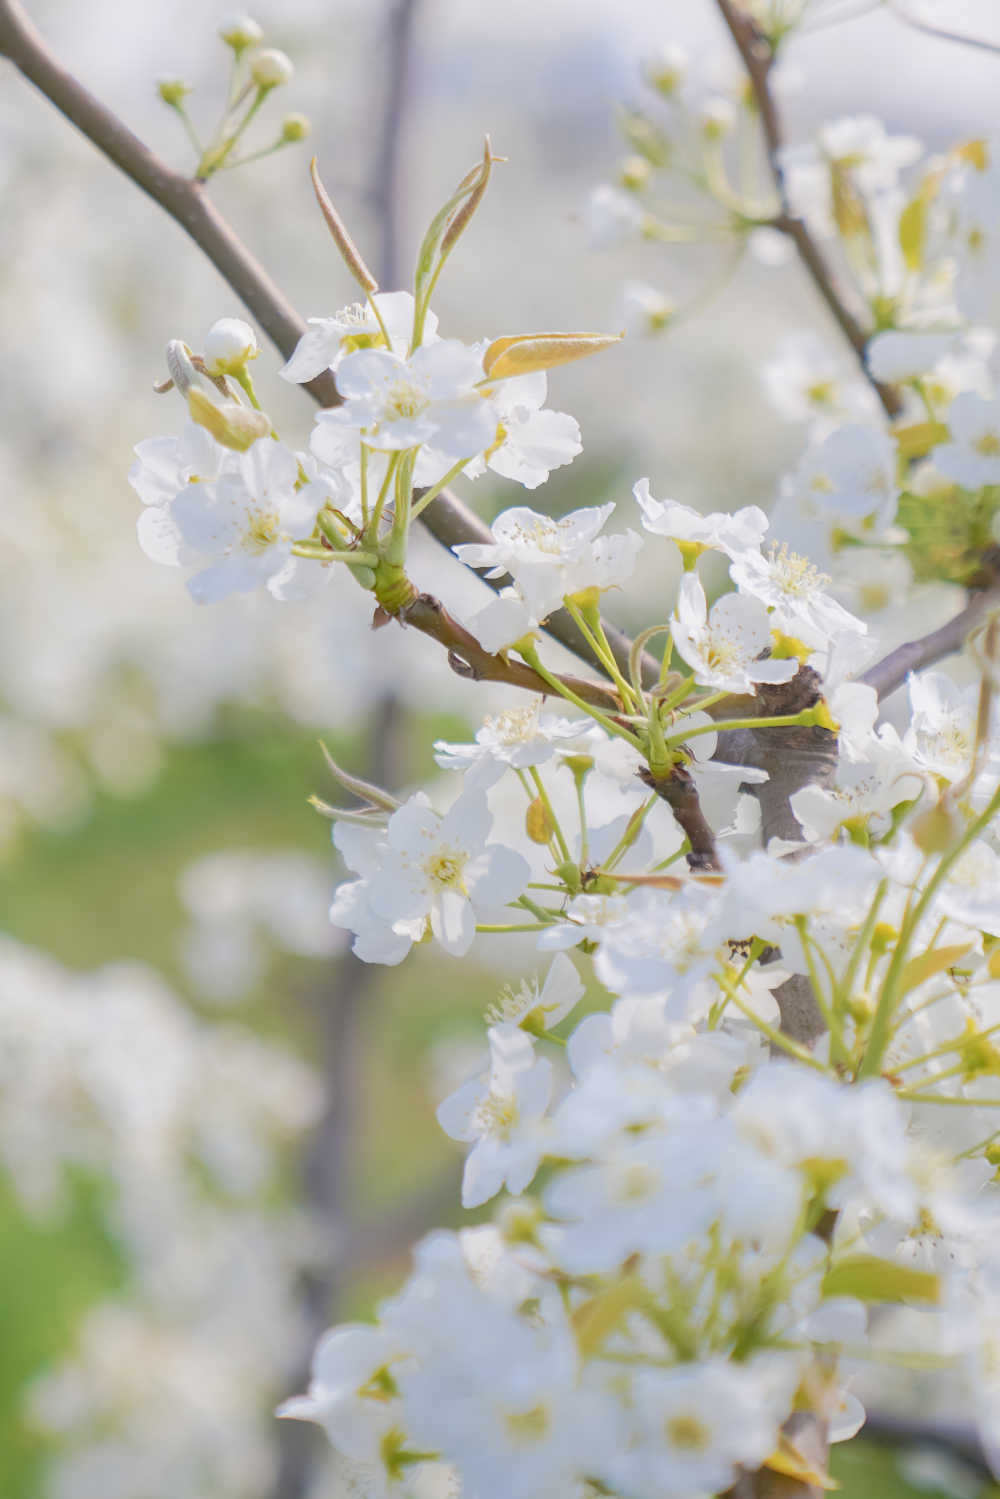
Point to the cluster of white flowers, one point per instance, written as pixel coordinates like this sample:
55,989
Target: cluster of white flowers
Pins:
785,1112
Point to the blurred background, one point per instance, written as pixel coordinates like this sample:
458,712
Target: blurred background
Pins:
216,1129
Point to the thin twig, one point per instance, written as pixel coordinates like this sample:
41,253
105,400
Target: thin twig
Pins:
917,23
758,59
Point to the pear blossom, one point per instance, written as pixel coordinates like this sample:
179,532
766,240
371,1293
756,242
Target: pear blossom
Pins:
976,239
852,474
244,522
793,590
692,1427
496,1110
729,533
426,868
805,382
429,397
530,440
550,559
611,217
906,355
723,648
328,341
972,458
165,465
345,1394
941,734
515,739
503,621
539,1009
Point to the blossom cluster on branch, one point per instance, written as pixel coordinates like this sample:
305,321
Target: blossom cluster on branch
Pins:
767,1153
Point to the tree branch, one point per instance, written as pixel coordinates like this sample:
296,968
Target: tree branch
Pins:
758,59
891,672
188,204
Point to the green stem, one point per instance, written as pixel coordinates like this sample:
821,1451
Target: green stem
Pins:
528,653
435,489
878,1039
783,721
588,622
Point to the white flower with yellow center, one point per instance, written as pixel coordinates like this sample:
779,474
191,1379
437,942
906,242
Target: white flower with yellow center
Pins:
328,340
497,1110
549,559
972,458
794,592
723,648
430,397
694,532
443,869
244,522
852,474
691,1426
517,738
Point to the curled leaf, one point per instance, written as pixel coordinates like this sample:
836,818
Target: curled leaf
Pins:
523,353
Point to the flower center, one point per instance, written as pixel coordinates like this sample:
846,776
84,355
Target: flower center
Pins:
513,1005
404,400
821,393
988,445
444,868
687,1433
528,1426
496,1113
635,1183
261,531
513,727
793,574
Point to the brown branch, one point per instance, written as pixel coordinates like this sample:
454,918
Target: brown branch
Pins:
188,204
679,792
758,59
469,659
891,672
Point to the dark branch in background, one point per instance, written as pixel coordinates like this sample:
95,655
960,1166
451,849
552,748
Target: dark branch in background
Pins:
758,59
916,23
886,675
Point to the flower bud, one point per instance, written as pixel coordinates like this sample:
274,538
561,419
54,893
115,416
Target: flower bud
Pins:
229,343
234,426
271,68
935,829
240,32
294,128
173,91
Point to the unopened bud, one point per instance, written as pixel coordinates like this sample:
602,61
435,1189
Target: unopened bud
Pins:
935,829
234,426
173,91
229,343
240,32
294,128
537,822
271,68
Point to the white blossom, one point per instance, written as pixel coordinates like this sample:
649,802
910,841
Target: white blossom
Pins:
724,647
